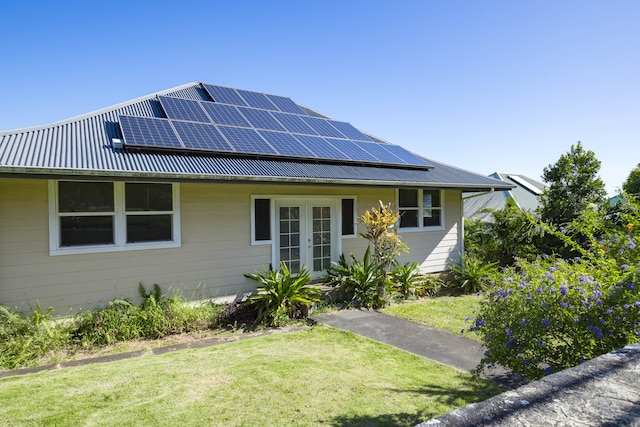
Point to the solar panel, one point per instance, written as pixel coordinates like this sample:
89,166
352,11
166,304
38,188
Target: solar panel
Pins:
183,109
378,150
353,150
286,104
321,148
149,132
261,119
223,114
246,141
286,144
349,131
226,95
257,100
293,123
322,127
201,136
405,155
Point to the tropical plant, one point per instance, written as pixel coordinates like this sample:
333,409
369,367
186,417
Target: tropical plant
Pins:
283,295
381,233
408,281
471,273
357,281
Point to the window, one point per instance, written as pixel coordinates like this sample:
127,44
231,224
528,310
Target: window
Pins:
420,208
89,216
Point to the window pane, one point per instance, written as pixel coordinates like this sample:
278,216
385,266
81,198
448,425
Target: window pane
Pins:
148,197
408,219
348,225
86,230
431,198
408,198
85,196
149,228
262,226
433,219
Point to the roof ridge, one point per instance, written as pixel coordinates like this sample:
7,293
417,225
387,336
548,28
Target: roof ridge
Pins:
99,111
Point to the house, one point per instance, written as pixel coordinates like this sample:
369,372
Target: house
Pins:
524,193
191,187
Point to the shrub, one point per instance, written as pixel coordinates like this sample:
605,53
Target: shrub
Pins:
548,315
408,281
357,280
282,296
471,273
25,339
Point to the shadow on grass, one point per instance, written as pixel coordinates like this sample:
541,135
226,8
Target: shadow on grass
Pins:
466,391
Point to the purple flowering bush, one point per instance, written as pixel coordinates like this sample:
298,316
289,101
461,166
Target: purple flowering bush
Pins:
551,314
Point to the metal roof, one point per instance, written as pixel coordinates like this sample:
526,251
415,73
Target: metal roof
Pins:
81,147
524,193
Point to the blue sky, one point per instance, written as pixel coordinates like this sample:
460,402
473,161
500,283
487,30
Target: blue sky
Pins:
488,86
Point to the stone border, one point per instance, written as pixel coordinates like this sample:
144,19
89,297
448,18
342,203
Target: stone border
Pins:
604,391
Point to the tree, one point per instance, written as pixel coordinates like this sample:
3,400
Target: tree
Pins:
632,184
573,184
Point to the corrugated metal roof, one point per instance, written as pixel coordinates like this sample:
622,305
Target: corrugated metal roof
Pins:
524,197
82,146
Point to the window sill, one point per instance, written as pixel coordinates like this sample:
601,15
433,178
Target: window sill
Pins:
76,250
419,229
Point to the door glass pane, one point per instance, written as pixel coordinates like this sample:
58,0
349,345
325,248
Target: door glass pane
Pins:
289,237
321,238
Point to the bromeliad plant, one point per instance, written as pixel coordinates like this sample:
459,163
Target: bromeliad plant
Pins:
283,295
471,273
381,233
357,280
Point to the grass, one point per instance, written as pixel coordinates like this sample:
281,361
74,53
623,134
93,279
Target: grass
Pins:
316,376
447,313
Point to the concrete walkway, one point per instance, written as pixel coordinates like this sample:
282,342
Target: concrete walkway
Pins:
450,349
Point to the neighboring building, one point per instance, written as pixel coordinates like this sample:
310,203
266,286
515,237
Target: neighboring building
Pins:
192,187
524,193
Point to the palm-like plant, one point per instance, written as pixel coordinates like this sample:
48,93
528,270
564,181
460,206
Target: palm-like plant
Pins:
471,273
283,295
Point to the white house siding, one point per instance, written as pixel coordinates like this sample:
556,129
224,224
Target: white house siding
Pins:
215,253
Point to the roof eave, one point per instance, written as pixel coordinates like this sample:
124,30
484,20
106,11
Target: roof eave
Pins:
57,173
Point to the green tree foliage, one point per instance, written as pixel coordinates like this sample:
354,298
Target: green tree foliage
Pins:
632,184
549,314
573,184
511,233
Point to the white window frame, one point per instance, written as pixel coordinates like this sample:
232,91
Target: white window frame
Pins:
119,224
420,210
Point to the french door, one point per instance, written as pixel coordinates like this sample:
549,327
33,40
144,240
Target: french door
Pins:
306,235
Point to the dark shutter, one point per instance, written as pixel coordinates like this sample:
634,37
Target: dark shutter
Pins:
262,226
347,217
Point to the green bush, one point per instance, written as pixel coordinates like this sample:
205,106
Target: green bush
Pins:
357,280
471,273
408,281
157,317
25,339
551,314
282,296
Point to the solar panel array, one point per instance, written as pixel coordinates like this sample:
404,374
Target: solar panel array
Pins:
241,122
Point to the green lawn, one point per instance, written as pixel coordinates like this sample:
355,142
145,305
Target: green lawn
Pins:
446,313
317,376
